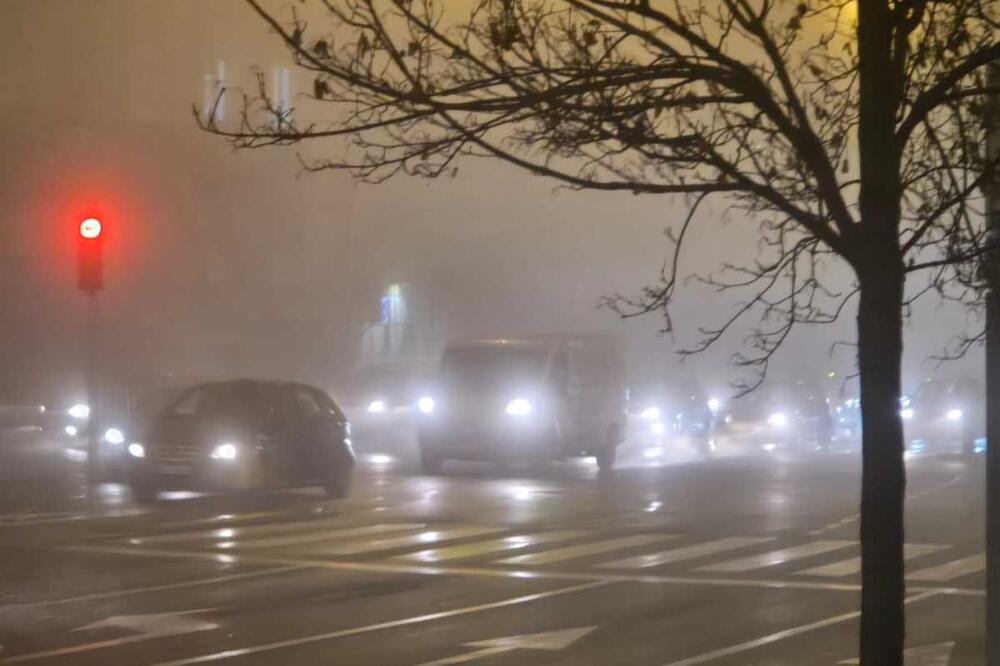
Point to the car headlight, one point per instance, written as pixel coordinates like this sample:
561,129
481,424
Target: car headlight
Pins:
224,452
376,407
906,413
651,414
71,430
657,428
954,415
518,407
714,404
79,411
114,436
137,450
778,420
426,404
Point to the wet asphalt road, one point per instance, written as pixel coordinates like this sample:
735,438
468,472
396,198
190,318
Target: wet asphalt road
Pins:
671,560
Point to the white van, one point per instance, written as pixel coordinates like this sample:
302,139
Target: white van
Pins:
529,399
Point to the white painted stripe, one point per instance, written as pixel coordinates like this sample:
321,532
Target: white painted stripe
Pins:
685,553
325,535
852,565
776,557
573,552
419,539
153,588
951,570
782,635
236,532
497,545
419,619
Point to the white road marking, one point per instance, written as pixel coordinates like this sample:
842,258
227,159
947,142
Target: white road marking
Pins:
776,557
852,565
551,641
326,535
387,566
150,625
229,533
573,552
419,619
421,538
951,570
781,635
497,545
685,553
153,588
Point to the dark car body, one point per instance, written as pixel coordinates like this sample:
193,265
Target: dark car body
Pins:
944,416
793,417
244,434
528,400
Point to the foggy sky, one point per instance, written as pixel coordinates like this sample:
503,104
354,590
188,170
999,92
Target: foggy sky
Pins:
223,263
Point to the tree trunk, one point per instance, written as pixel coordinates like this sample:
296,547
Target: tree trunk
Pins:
883,482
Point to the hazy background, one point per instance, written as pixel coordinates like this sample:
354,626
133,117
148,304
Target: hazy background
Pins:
223,263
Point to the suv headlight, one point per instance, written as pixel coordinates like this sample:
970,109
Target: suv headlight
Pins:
225,452
519,407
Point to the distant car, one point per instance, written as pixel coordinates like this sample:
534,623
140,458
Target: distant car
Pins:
244,434
695,418
794,417
530,400
944,416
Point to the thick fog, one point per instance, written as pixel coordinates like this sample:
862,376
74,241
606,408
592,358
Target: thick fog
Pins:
237,264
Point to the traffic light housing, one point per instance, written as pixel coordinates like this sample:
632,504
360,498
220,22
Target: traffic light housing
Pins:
90,256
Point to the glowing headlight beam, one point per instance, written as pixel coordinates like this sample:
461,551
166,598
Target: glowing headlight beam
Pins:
906,413
518,407
224,452
778,420
114,436
426,404
376,407
651,414
954,415
137,450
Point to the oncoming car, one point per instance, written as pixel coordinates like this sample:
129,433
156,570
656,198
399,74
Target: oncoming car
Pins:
529,400
792,418
944,416
244,434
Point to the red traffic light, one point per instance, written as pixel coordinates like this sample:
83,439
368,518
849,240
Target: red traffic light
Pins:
90,228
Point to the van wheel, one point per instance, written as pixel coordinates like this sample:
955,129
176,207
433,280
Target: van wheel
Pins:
338,482
606,457
431,463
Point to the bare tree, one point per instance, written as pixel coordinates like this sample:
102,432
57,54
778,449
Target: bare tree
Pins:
847,132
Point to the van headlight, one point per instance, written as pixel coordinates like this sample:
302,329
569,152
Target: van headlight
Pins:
137,450
777,419
651,414
114,436
225,452
519,407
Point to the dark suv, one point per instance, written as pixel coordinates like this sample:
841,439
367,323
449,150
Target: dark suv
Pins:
244,434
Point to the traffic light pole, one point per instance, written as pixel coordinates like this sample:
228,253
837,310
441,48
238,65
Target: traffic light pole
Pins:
93,400
992,190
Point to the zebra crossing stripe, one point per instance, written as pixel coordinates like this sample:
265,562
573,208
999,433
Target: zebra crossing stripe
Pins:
852,565
236,532
951,570
583,550
776,557
685,553
499,544
325,535
418,539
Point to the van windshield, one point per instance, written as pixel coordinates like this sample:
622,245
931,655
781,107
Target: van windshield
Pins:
484,366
